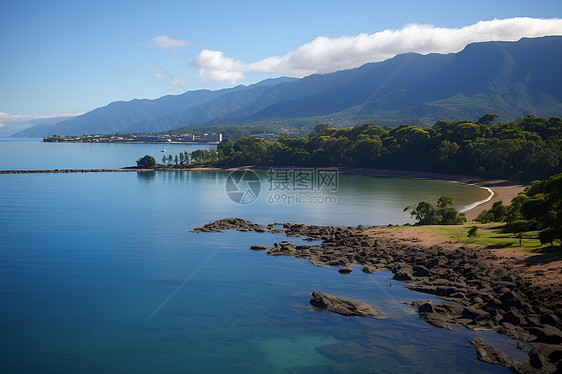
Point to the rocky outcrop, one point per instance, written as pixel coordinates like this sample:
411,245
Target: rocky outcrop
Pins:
233,224
482,292
486,352
343,306
260,247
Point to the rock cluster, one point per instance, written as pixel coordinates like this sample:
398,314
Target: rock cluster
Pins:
482,293
236,224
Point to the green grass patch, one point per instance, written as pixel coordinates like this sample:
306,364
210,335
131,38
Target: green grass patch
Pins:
491,235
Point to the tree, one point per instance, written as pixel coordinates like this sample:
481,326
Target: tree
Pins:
473,232
425,214
518,228
497,213
547,236
146,162
439,214
225,146
319,129
486,119
485,216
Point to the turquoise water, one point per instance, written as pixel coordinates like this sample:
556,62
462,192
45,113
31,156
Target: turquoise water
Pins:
99,273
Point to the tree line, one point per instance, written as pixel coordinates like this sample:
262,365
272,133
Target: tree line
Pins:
197,157
527,149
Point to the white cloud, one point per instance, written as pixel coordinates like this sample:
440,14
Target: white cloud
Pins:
165,42
13,118
12,123
326,55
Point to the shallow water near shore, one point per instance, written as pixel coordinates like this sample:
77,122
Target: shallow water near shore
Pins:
99,272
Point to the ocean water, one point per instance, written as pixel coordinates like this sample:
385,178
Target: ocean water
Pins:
100,273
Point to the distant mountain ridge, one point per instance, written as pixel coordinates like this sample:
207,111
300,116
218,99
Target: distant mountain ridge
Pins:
511,79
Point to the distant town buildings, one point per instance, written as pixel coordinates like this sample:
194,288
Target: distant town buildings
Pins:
212,138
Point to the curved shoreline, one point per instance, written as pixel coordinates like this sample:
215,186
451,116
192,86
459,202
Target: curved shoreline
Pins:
475,204
501,189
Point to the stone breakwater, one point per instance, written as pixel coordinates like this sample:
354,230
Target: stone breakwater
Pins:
51,171
482,292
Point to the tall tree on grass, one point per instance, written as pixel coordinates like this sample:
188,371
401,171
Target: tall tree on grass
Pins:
518,228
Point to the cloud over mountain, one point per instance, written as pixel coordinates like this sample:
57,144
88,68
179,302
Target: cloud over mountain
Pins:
326,55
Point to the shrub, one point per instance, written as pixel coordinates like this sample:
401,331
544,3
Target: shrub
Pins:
146,162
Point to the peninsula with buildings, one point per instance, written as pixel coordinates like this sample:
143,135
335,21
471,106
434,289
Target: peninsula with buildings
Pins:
212,138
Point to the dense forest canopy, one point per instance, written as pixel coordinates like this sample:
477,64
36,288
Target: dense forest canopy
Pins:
527,149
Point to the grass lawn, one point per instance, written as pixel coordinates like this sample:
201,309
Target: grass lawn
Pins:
491,235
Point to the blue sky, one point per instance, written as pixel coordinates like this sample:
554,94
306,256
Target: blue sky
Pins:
70,56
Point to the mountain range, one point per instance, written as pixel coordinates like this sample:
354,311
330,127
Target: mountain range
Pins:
512,79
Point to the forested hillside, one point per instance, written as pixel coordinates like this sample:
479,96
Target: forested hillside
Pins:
527,149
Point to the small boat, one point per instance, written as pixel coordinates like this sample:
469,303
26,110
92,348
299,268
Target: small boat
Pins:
163,150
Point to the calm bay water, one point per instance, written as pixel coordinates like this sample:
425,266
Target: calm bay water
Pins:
99,272
22,154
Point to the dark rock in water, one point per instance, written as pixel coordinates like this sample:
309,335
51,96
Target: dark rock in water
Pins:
439,320
486,352
372,269
231,224
283,249
426,308
260,247
345,270
403,273
342,306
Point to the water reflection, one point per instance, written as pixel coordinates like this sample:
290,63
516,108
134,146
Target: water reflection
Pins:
146,175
